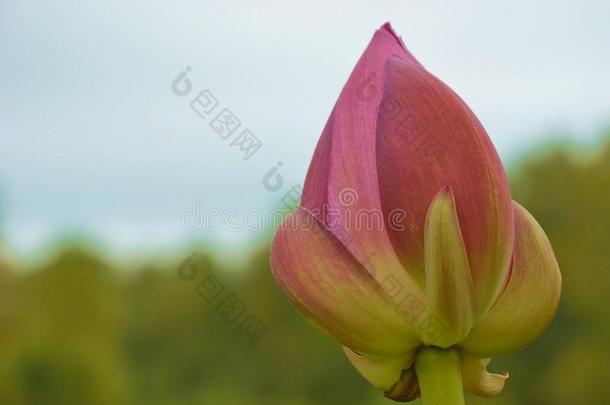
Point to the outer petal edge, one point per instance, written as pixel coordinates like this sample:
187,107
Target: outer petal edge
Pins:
449,287
478,380
530,299
333,291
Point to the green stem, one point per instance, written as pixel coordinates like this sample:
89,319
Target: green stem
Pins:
439,373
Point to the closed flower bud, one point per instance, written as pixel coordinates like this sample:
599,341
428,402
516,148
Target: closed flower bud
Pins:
464,274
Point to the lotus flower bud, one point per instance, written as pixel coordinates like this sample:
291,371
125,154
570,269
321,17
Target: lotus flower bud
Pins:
464,275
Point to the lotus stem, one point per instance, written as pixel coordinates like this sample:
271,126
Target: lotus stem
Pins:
439,373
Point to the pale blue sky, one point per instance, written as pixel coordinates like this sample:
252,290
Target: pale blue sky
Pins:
93,139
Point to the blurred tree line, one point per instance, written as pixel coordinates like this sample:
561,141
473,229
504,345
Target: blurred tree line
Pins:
79,331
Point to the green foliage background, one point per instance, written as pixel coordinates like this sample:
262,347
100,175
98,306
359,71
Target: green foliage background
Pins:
76,330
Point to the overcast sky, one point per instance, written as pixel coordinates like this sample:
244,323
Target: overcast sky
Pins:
93,139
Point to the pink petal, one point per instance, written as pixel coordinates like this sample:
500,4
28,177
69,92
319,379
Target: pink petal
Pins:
428,138
342,178
334,291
